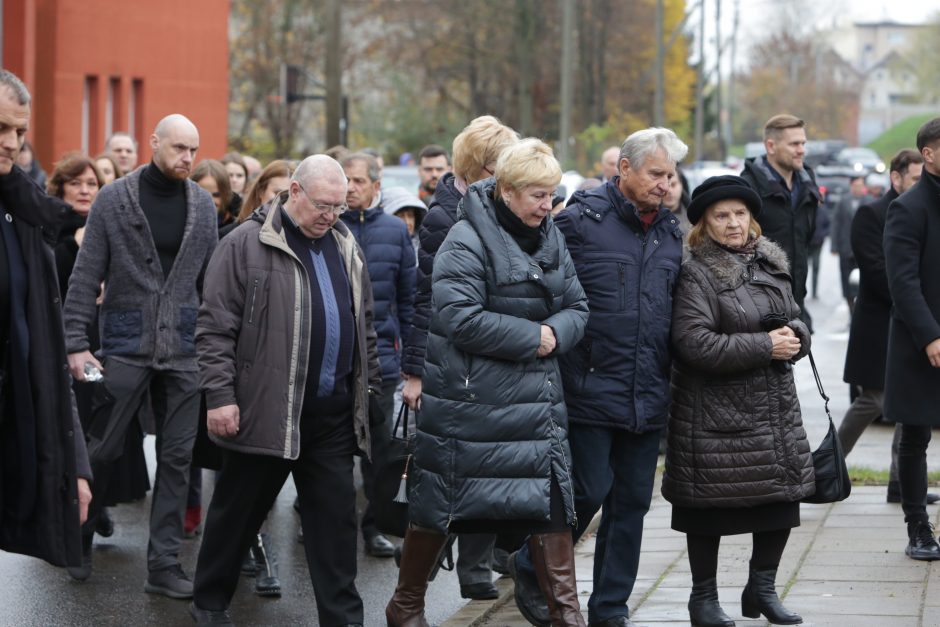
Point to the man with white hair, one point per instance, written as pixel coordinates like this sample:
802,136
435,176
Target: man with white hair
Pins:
288,361
627,249
149,238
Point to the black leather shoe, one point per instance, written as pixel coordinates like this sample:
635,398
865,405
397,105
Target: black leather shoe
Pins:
83,572
379,546
616,621
922,545
479,591
528,595
204,618
105,525
704,610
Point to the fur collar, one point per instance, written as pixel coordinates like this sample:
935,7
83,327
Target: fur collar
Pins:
726,269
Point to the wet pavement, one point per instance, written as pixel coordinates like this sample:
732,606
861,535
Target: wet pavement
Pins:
36,594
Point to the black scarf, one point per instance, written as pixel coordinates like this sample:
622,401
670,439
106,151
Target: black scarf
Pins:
528,237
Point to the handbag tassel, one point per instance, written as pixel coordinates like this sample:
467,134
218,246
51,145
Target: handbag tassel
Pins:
402,496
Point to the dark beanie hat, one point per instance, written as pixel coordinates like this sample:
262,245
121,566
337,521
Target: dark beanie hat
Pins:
718,188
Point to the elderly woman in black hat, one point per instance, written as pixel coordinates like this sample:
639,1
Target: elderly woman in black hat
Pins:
737,459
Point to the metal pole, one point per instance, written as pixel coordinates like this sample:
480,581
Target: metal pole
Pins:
658,112
567,49
718,106
334,74
700,85
729,126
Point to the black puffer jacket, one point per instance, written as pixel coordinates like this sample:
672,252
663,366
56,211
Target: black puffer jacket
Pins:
493,427
736,436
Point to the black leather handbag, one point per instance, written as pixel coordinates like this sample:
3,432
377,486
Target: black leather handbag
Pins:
832,476
391,479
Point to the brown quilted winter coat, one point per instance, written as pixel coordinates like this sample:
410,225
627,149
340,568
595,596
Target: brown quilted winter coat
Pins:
736,436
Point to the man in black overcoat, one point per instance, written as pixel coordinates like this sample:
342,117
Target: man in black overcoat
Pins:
868,340
44,470
912,378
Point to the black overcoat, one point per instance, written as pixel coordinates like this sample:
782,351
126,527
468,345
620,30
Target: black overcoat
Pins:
912,259
50,529
868,340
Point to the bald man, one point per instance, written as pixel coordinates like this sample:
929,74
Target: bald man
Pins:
288,359
148,237
610,159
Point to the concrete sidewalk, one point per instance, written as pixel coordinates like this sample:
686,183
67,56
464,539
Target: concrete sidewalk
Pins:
845,566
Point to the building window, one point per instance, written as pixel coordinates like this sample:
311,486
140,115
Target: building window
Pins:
114,108
135,108
90,127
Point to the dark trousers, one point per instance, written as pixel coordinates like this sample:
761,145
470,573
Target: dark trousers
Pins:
381,436
615,469
246,488
912,472
175,398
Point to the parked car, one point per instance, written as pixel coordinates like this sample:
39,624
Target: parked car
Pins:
833,182
862,160
401,176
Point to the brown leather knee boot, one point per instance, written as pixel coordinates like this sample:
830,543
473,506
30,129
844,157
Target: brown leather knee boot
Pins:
553,557
419,555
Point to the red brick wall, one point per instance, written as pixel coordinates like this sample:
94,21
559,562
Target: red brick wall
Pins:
155,58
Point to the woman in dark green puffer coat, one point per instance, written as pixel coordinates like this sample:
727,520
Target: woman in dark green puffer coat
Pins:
491,451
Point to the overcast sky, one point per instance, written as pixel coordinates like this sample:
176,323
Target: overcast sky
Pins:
756,14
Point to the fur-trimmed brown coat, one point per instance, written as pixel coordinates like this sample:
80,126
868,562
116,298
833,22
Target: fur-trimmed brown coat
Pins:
736,436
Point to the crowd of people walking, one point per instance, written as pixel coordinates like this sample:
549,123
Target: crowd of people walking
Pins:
266,322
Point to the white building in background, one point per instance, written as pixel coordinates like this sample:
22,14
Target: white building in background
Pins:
888,91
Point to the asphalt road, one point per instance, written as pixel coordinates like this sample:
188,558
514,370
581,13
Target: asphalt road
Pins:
34,593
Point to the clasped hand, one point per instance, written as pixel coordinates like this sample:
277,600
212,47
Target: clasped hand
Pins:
786,344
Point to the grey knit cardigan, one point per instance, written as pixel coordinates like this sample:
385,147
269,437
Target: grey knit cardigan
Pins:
144,320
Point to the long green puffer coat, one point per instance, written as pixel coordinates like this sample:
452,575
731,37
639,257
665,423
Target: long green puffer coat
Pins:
736,436
493,425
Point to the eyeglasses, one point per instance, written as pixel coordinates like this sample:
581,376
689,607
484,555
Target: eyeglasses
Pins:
487,170
334,209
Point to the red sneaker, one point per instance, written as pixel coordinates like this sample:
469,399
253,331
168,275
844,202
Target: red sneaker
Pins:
192,522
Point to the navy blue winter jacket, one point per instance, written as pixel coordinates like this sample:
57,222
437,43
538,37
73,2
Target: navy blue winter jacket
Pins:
390,259
618,375
442,215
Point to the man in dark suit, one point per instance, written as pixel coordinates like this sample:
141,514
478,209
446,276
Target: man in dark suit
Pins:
868,340
912,378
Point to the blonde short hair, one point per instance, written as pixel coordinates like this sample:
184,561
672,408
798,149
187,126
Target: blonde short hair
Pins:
527,162
478,144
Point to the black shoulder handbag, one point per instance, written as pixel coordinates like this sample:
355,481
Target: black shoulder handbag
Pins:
832,475
391,479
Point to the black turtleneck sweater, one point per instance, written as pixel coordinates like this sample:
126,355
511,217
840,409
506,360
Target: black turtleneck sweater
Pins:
164,203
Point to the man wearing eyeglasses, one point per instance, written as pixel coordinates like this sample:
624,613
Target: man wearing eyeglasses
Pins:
287,353
390,256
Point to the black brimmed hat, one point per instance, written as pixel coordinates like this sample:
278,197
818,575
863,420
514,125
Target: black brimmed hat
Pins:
722,188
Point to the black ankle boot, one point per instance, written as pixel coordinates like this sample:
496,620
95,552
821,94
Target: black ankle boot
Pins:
704,610
267,583
760,597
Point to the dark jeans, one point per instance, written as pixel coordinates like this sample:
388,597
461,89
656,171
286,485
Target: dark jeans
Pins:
615,469
380,437
175,398
912,472
246,488
813,262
